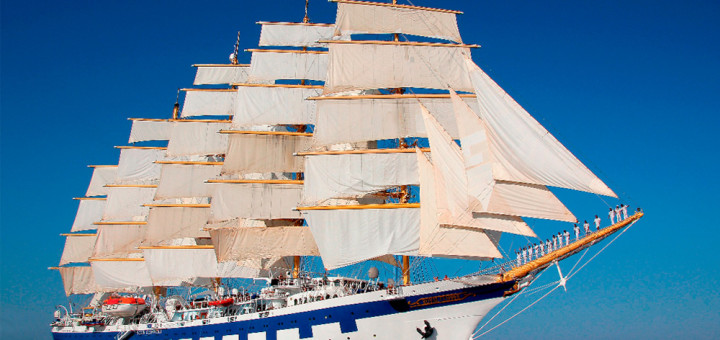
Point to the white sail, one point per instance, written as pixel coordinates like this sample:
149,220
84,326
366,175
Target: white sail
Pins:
271,65
239,244
353,175
137,166
260,105
370,18
78,280
186,180
121,274
349,236
100,177
171,266
78,249
126,203
89,212
209,103
167,223
357,66
295,34
221,74
197,138
256,153
453,240
376,118
255,200
118,240
454,203
537,157
145,130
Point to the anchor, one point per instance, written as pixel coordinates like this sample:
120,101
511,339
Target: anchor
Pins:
427,332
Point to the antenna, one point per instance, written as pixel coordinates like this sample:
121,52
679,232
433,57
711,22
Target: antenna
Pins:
234,55
306,19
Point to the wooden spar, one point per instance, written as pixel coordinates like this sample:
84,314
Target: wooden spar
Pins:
54,268
276,133
188,163
126,259
296,267
285,51
206,90
366,151
177,205
293,24
398,43
394,4
362,206
142,147
392,96
148,119
525,269
258,181
291,86
121,223
102,166
72,235
179,247
130,185
90,198
221,65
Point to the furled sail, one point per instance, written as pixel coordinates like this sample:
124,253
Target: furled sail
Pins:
149,129
186,180
374,117
216,74
349,236
295,34
275,104
258,152
122,274
361,17
78,248
346,175
137,165
239,244
537,157
446,240
209,102
269,65
89,211
102,175
357,65
255,200
126,203
78,280
167,223
118,240
197,138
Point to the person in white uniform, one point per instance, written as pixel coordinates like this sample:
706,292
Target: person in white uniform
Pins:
524,255
560,239
519,257
586,225
567,237
597,222
618,213
624,211
554,241
611,213
542,249
548,245
577,231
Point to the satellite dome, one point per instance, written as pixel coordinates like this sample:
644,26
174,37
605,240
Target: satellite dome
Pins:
373,273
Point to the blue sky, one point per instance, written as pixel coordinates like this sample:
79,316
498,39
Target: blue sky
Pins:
630,87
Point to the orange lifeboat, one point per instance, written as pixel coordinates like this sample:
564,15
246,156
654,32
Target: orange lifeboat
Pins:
123,306
223,302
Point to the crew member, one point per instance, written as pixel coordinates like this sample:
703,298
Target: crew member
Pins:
567,237
597,222
611,213
586,225
577,231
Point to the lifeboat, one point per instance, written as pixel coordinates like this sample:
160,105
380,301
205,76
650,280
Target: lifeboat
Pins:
223,302
123,306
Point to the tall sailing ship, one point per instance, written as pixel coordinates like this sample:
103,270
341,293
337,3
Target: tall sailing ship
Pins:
345,166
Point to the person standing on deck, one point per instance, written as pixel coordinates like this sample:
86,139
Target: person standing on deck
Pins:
542,249
524,255
586,225
554,241
577,231
517,255
560,239
548,245
536,251
624,211
567,237
597,222
612,216
618,213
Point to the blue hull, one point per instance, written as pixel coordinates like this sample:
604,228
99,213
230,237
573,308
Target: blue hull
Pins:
346,316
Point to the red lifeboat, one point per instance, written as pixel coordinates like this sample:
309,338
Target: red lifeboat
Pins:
223,302
123,306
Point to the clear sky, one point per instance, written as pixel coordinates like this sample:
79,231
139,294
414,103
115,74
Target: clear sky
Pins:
631,87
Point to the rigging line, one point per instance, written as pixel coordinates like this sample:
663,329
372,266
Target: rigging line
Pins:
518,313
600,251
522,293
578,261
